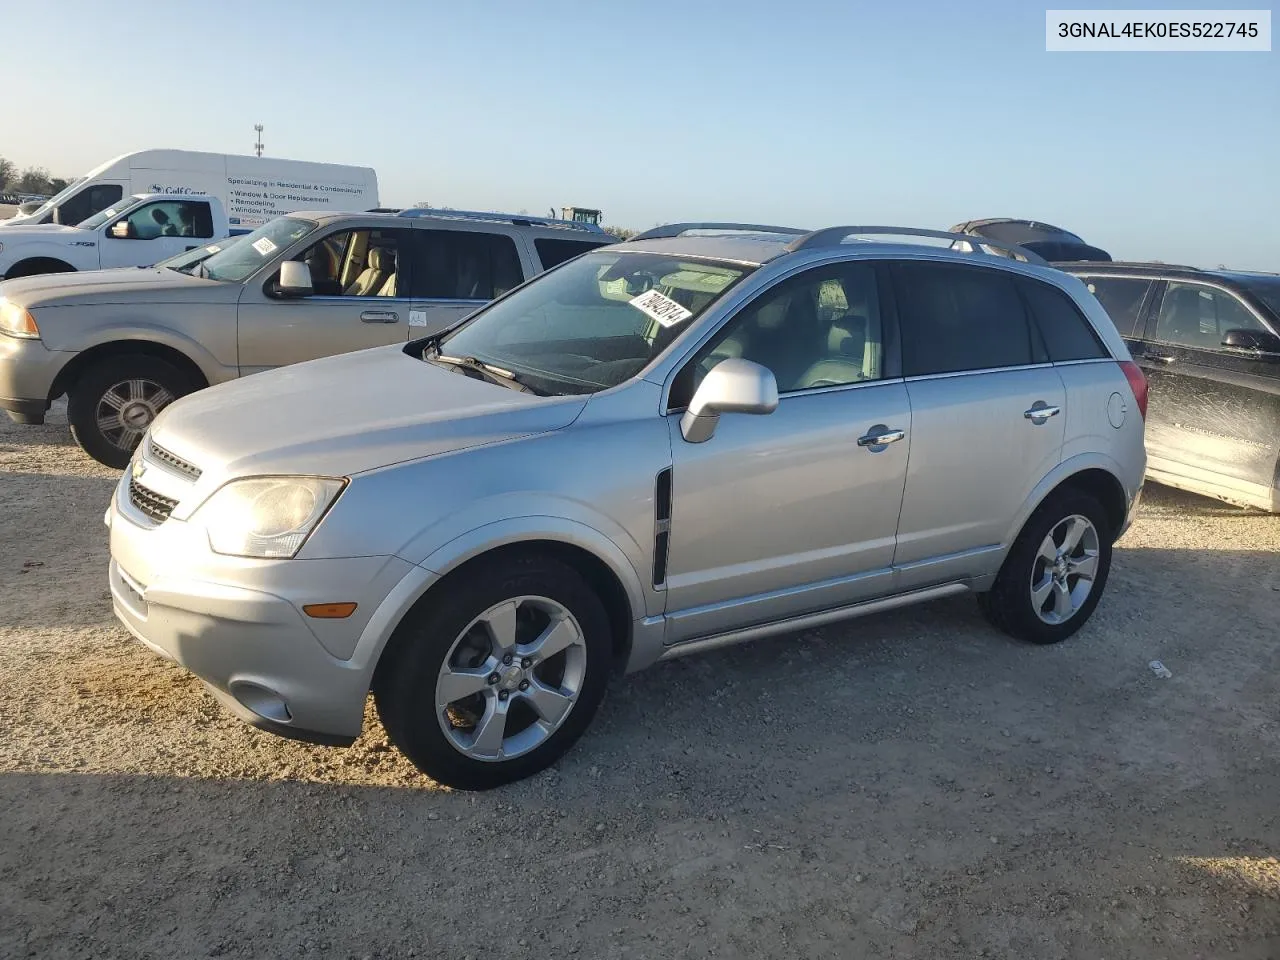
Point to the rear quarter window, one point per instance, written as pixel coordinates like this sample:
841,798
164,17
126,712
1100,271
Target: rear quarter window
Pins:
1066,332
1122,298
553,251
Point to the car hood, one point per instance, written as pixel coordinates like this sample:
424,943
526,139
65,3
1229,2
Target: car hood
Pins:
121,285
347,414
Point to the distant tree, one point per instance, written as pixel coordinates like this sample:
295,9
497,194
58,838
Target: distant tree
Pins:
8,173
622,233
57,185
32,180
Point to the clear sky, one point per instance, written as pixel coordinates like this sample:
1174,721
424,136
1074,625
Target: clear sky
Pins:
797,112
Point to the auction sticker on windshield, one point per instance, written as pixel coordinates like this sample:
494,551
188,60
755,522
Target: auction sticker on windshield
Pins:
264,246
656,304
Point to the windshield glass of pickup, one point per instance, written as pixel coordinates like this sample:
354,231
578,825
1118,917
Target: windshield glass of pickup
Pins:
98,219
594,322
250,252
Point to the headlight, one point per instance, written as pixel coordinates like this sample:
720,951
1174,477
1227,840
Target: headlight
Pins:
17,322
267,516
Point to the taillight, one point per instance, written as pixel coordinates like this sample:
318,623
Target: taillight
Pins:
1137,383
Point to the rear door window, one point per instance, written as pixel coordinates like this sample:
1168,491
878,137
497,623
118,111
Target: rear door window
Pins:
466,265
1066,333
553,251
958,317
1122,298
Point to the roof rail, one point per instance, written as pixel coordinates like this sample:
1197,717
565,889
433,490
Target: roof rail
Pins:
679,229
834,236
519,219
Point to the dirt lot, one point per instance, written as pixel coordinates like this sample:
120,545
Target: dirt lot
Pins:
910,785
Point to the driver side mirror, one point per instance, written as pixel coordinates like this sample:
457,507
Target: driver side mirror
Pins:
1259,340
120,230
731,386
295,280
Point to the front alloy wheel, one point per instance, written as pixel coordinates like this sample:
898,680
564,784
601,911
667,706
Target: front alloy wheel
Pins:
511,678
497,671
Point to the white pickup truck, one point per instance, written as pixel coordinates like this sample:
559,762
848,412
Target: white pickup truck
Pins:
137,232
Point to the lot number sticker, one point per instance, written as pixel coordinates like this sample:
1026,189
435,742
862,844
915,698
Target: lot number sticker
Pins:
264,246
417,318
654,303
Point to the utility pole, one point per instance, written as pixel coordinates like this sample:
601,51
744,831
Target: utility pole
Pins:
257,147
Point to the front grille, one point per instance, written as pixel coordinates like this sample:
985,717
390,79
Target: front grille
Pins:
161,455
149,502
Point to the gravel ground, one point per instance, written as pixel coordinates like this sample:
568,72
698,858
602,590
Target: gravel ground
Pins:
907,785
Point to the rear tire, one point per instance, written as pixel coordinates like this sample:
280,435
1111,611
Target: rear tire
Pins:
470,689
1055,572
115,400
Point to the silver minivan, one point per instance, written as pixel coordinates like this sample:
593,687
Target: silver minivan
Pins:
664,446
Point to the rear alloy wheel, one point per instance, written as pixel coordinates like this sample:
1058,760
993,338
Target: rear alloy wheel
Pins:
497,674
1055,572
114,402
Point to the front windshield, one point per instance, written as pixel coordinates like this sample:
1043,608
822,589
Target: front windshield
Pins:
594,322
189,258
1266,289
253,250
102,216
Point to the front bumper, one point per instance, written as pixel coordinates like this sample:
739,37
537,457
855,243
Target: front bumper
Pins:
27,371
238,624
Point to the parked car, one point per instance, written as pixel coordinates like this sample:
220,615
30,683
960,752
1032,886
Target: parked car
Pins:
123,344
1209,342
252,190
138,232
1050,242
660,447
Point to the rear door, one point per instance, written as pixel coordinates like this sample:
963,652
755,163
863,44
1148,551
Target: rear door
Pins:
358,275
459,271
1214,414
987,415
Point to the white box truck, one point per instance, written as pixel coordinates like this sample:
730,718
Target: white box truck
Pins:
252,190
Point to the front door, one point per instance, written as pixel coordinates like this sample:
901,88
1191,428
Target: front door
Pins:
1214,413
794,511
988,416
361,280
155,231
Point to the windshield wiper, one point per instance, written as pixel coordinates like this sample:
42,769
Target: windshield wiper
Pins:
489,371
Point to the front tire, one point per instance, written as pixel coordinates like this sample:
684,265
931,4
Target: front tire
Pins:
494,678
1055,572
113,402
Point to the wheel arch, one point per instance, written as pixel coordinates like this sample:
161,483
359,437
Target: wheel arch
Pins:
37,266
82,361
1095,475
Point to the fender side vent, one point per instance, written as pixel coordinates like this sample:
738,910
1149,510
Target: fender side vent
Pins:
661,526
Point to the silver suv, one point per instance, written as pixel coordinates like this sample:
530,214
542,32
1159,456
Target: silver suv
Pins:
121,344
660,447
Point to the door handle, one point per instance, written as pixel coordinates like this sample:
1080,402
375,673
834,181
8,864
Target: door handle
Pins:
379,316
1159,357
1041,412
880,436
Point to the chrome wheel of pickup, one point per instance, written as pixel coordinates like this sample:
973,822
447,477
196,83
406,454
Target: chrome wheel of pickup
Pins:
511,678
